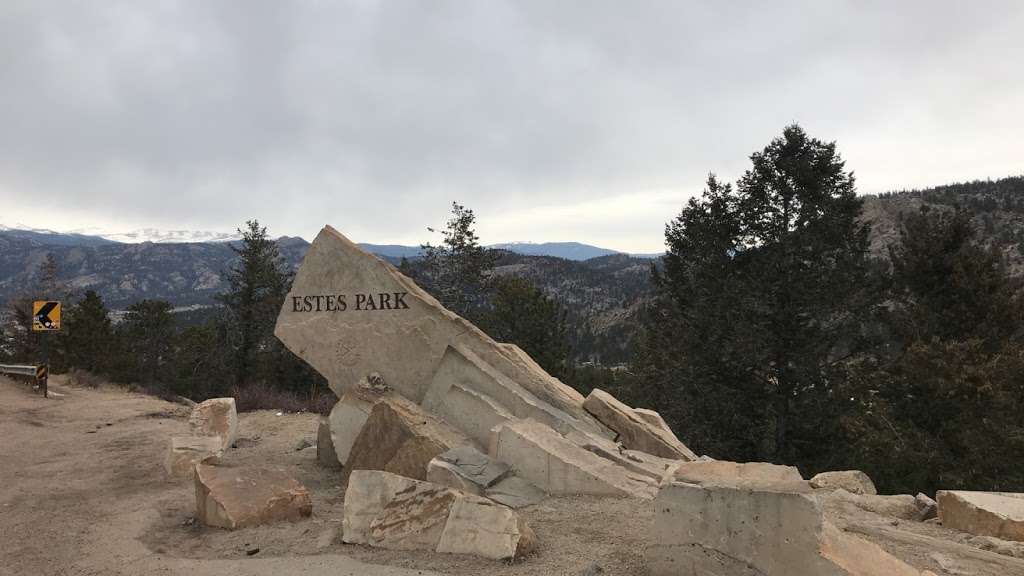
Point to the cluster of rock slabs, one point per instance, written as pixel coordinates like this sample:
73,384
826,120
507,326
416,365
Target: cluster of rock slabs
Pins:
442,433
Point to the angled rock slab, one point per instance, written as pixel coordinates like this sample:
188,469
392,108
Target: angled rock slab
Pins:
325,453
635,432
402,438
652,418
750,475
903,506
558,466
853,481
184,452
466,468
727,531
995,514
515,493
654,467
350,313
215,417
347,419
390,511
235,497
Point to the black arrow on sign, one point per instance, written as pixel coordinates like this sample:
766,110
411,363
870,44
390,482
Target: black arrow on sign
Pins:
44,314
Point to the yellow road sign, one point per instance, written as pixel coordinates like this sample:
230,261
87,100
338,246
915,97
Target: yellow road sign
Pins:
45,316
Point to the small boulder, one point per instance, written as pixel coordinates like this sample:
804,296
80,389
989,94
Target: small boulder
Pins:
402,438
325,452
853,481
229,497
927,507
215,417
466,468
185,452
634,431
390,511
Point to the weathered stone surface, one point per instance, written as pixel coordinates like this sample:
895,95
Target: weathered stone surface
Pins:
402,438
390,511
853,481
902,506
347,419
727,531
349,314
752,475
466,468
515,492
184,452
995,514
234,497
652,418
654,467
215,417
635,432
558,466
325,453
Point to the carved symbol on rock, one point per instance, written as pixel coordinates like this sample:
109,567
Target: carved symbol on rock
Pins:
347,354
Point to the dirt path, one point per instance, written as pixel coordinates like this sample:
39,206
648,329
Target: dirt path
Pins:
82,492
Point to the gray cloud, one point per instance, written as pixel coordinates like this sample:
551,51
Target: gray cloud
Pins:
373,116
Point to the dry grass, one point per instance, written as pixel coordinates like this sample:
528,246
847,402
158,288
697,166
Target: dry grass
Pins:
261,396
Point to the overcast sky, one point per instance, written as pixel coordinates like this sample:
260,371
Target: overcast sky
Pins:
554,120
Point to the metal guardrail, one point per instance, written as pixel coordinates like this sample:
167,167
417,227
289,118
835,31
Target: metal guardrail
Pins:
38,373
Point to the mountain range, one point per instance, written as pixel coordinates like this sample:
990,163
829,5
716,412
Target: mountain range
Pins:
602,290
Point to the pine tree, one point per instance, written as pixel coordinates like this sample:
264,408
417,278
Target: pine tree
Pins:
524,316
456,271
87,335
759,300
147,333
257,286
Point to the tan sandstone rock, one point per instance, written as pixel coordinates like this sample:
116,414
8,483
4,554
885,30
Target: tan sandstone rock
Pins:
184,452
903,506
347,419
350,314
853,481
215,417
402,438
325,453
390,511
752,475
558,466
515,492
721,530
234,497
634,431
466,468
654,467
995,514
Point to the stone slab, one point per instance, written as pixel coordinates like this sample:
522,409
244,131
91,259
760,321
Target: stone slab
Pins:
515,492
390,511
402,438
902,506
853,481
466,468
654,467
558,466
325,452
215,417
729,531
750,475
347,419
633,431
350,314
235,497
184,452
995,514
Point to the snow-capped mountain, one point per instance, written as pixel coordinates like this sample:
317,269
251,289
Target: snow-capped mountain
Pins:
158,236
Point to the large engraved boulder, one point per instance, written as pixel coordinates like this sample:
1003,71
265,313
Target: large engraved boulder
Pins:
402,438
215,417
235,497
390,511
350,314
635,432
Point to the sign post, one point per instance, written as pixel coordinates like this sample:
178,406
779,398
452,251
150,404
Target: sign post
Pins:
45,318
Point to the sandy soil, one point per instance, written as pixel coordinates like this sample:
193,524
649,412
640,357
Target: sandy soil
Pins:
82,491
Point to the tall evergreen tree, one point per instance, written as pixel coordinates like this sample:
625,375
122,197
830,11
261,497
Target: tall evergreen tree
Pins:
456,271
257,286
760,298
524,316
87,335
147,333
